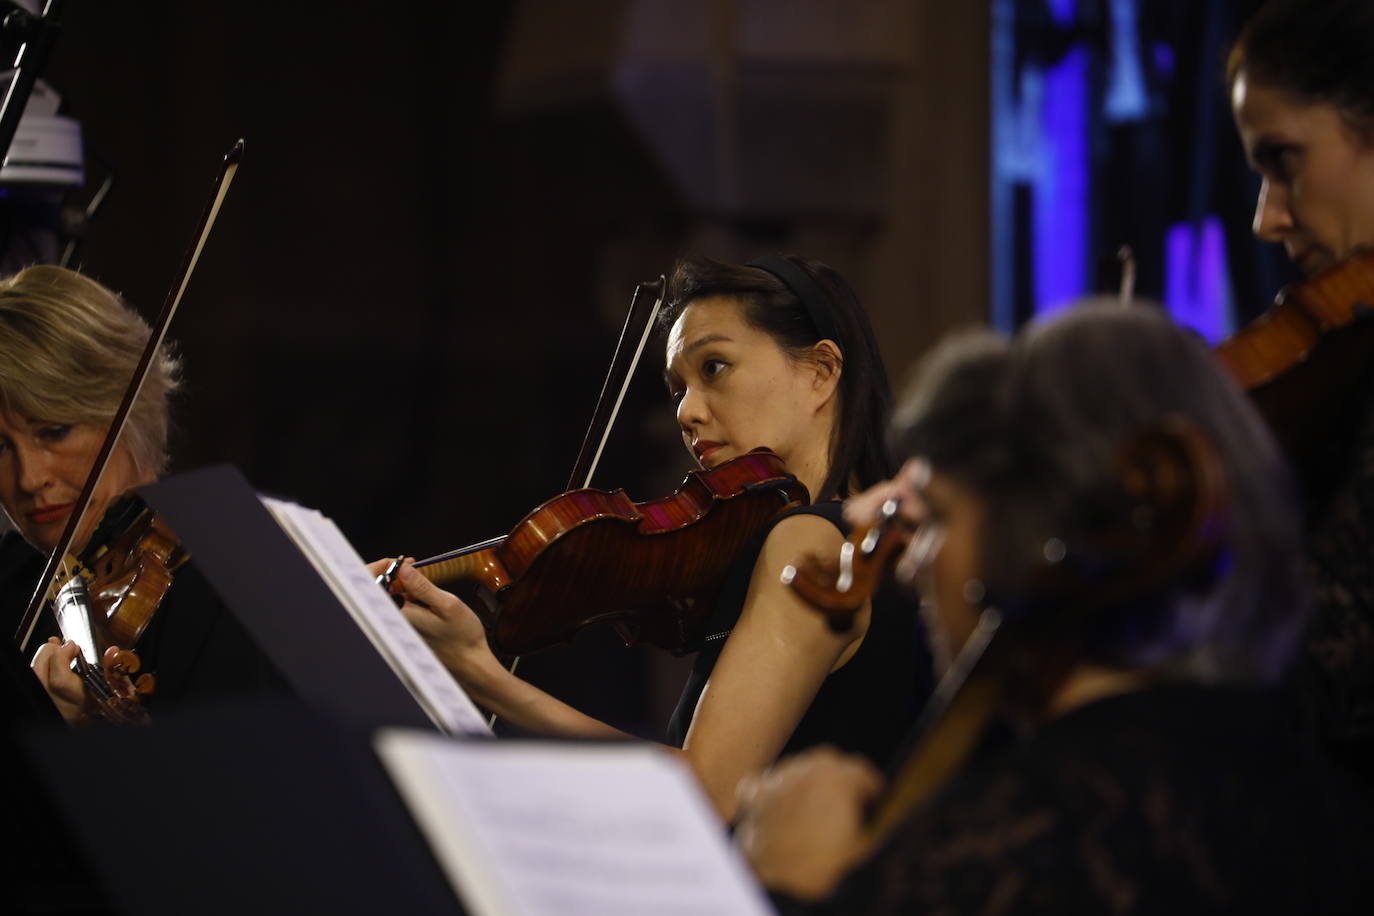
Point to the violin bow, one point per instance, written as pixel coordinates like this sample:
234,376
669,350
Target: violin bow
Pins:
29,622
639,325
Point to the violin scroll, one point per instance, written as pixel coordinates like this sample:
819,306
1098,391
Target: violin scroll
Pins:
117,695
839,586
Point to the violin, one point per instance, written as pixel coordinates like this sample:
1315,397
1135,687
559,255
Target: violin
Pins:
1172,508
650,569
130,561
104,606
1301,357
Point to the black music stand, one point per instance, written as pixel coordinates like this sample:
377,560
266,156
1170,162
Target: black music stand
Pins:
270,808
279,598
46,854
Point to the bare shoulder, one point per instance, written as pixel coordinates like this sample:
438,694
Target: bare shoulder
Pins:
802,531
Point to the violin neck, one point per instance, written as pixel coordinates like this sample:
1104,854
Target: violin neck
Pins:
476,562
948,730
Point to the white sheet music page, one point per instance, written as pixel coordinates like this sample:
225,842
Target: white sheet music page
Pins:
404,650
566,829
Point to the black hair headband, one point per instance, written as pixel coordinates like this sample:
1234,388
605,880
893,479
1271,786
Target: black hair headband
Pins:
805,287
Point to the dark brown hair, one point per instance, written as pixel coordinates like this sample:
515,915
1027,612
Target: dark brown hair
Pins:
858,452
1321,51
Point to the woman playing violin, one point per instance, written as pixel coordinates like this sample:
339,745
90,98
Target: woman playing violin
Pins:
1302,91
68,347
751,361
1152,771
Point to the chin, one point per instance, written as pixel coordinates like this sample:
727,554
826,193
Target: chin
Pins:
43,545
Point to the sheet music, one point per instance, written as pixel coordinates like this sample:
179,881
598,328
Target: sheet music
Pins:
404,650
566,829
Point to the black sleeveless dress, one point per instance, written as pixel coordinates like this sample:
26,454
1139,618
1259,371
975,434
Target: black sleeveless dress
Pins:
865,707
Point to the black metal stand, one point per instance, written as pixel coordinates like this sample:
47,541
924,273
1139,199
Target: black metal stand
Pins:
279,598
29,39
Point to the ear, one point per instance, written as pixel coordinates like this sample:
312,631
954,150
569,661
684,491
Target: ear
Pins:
826,365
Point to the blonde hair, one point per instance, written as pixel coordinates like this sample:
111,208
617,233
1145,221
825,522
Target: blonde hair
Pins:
68,348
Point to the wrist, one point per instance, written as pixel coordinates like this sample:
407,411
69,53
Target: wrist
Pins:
480,672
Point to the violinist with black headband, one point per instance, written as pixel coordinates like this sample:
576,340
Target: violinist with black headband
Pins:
777,354
1108,527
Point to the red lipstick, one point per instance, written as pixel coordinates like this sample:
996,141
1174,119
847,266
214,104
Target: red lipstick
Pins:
704,447
46,515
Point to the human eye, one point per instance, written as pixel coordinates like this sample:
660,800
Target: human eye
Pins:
712,367
54,432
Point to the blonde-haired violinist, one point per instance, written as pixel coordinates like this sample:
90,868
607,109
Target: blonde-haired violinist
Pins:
68,348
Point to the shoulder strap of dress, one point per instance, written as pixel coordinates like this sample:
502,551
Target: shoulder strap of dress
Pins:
832,510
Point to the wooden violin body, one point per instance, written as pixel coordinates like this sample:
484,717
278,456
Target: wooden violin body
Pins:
130,575
650,569
1301,358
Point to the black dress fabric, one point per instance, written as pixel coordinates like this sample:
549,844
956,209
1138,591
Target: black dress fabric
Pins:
194,647
1179,799
1333,676
865,707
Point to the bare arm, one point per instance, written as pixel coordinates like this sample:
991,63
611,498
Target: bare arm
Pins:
802,823
773,663
459,639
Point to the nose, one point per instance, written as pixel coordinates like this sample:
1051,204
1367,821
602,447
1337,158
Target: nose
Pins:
33,469
692,411
1273,219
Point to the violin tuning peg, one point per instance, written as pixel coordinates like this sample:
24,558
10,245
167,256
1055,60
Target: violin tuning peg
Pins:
127,662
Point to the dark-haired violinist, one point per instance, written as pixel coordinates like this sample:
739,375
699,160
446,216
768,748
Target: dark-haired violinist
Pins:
752,360
1148,766
1301,76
